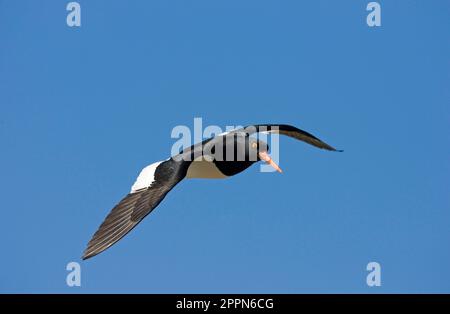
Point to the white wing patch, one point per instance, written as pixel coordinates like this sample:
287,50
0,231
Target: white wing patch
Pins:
145,178
223,133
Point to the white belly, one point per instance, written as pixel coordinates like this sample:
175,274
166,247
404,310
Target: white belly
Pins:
201,168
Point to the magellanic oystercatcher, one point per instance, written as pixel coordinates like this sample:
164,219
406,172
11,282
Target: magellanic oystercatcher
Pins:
222,156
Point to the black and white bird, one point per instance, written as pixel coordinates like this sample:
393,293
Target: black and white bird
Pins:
222,156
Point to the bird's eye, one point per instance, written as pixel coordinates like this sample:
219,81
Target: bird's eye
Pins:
254,145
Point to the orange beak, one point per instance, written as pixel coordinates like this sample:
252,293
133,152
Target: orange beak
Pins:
265,156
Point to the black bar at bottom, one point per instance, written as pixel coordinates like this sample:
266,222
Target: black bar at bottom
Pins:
226,302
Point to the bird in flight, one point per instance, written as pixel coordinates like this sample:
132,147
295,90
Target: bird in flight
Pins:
222,156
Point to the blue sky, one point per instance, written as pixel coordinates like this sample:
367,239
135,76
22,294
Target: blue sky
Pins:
83,110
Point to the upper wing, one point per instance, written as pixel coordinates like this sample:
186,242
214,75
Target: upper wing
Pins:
152,185
287,130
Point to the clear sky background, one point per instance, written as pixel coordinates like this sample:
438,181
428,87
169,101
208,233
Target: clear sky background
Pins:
83,110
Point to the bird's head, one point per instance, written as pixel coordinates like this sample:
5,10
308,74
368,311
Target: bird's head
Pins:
240,149
261,150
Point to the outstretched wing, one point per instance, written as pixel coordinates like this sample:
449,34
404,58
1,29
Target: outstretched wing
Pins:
152,185
287,130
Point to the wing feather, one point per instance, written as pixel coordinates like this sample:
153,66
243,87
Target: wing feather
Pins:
287,130
134,207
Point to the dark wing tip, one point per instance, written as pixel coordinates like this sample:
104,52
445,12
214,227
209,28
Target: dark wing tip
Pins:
88,255
320,144
89,252
115,226
330,148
